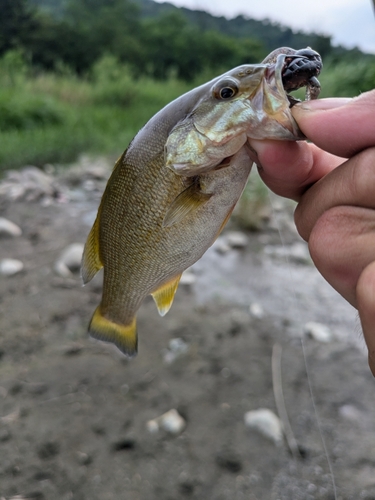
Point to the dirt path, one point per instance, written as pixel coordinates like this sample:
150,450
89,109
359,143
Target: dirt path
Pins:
74,413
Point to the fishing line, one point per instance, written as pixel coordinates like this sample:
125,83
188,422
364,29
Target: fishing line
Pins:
307,369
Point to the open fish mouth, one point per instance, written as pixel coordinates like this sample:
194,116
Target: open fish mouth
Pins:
300,69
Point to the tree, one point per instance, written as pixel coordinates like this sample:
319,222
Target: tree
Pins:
17,24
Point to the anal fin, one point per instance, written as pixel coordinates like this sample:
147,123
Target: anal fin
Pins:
164,295
123,336
185,204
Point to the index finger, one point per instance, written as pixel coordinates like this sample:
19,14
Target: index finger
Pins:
289,168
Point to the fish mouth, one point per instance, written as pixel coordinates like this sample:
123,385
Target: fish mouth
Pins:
297,70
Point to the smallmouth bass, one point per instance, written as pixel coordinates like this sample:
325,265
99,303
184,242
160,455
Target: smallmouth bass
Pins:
173,190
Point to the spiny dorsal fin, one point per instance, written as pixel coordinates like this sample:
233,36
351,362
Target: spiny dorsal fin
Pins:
123,336
185,204
91,262
164,295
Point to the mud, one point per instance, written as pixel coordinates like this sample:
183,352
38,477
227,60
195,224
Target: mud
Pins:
74,412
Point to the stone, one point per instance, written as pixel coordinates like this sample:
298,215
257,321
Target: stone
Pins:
266,423
318,331
256,310
30,184
9,267
171,422
70,260
8,228
221,245
177,348
236,239
187,278
297,253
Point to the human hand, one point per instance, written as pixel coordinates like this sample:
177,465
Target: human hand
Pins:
333,181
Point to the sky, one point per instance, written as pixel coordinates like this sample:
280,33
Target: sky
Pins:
351,23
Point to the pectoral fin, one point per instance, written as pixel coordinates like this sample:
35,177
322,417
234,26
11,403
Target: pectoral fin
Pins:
91,262
164,295
123,336
185,204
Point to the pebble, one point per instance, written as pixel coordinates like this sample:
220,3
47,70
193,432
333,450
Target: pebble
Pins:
70,260
83,458
256,310
177,348
350,412
9,228
171,422
229,240
187,278
318,331
9,267
236,239
221,245
30,184
266,423
297,253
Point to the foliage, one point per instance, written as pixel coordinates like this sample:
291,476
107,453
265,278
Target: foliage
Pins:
348,79
52,118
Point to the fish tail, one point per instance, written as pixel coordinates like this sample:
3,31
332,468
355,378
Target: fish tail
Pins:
123,336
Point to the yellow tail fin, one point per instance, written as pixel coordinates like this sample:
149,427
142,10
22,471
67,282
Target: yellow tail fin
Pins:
123,336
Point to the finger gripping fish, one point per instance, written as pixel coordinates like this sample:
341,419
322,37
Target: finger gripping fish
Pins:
173,190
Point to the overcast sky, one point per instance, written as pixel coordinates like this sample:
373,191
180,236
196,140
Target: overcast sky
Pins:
350,22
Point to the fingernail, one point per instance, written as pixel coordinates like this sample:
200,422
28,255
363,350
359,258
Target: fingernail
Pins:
322,104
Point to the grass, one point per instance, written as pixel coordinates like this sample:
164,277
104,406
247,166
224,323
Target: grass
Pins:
50,118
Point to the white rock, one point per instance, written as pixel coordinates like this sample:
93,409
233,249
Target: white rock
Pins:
221,245
152,426
9,228
265,422
256,310
298,252
171,422
177,348
236,239
350,412
187,278
318,331
8,267
70,260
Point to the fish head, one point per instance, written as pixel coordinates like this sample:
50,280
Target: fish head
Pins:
248,102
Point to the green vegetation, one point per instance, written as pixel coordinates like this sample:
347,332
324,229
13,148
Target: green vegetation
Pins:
85,75
53,117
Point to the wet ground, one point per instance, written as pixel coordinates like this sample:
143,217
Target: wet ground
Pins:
74,412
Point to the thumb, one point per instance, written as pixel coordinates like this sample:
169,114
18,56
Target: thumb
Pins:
340,126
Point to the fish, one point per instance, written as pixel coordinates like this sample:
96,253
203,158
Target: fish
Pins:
174,188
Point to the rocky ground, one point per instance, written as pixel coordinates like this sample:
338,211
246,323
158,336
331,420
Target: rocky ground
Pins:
79,421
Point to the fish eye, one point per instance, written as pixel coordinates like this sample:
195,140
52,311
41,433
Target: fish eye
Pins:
225,90
227,93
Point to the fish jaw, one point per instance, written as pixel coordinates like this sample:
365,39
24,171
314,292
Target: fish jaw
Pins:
217,128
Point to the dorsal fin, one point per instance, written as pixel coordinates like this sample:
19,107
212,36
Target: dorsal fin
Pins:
164,295
91,262
185,204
